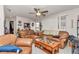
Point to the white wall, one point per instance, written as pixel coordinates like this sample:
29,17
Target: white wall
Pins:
51,22
7,21
23,20
1,20
16,19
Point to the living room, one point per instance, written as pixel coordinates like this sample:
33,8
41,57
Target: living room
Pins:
45,22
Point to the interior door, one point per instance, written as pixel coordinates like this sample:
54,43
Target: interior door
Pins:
11,27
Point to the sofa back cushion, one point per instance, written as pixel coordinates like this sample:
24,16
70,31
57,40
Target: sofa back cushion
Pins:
13,38
63,34
4,40
7,39
24,42
30,32
22,33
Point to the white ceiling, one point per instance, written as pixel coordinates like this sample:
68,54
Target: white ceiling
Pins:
23,10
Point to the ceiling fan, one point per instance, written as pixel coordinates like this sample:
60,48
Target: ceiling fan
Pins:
38,12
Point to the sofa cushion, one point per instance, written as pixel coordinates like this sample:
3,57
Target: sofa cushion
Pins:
26,50
7,39
4,40
7,52
12,38
10,48
24,42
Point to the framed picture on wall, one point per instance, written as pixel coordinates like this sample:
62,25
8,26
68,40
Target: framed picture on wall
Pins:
26,25
32,24
63,21
19,23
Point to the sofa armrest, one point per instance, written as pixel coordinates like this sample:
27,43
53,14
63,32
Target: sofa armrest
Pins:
24,42
70,44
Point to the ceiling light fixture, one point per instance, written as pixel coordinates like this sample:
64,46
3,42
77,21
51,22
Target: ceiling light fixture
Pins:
38,14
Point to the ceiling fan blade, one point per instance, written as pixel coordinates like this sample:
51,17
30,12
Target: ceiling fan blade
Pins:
43,14
44,11
36,9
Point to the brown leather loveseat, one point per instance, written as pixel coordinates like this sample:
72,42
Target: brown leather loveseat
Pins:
24,43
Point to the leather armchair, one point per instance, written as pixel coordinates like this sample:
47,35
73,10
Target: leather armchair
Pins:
62,37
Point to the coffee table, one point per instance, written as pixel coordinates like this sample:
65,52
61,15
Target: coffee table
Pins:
51,48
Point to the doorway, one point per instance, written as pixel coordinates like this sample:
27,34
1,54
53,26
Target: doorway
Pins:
11,27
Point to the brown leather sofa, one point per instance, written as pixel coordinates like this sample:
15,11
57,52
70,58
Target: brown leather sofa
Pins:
24,43
22,33
62,37
25,33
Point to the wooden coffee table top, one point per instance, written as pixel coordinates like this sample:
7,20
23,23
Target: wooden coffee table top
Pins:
52,45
